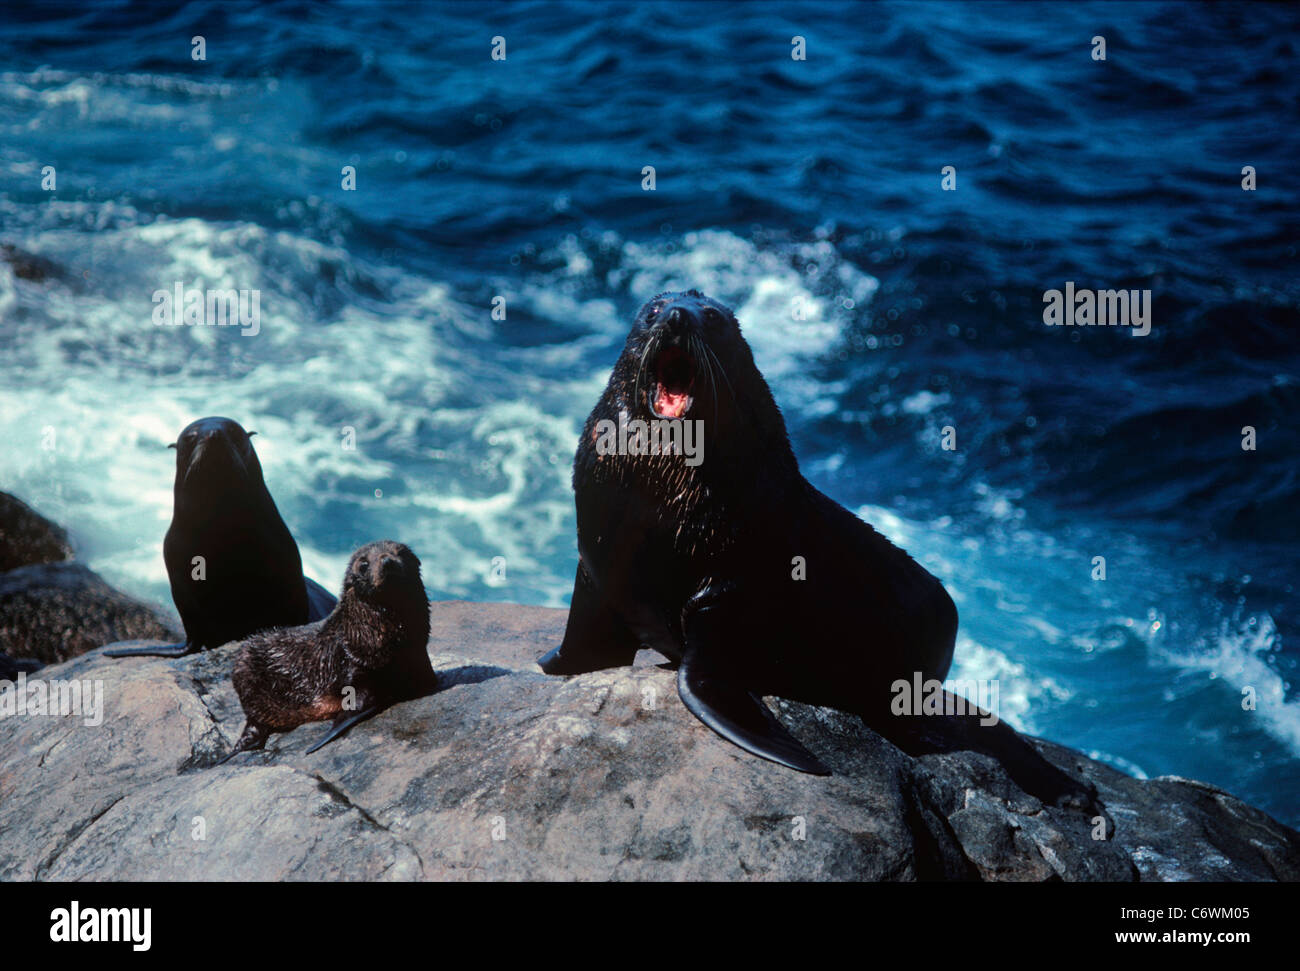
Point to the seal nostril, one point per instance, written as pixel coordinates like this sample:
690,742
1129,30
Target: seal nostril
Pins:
679,320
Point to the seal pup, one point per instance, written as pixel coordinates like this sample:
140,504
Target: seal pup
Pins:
735,567
371,651
250,576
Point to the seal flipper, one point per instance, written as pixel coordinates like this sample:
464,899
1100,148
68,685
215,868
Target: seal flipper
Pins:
342,723
319,600
253,737
163,650
712,687
594,637
739,715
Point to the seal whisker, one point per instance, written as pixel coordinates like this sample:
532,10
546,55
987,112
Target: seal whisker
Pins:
650,344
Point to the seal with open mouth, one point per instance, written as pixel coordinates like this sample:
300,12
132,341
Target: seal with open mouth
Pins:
233,566
736,568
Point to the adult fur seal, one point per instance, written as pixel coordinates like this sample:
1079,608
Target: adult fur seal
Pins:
252,572
371,651
735,566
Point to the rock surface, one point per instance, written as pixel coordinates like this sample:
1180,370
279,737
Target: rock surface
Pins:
506,773
27,537
52,609
55,611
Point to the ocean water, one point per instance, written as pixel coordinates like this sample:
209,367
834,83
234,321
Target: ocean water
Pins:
779,182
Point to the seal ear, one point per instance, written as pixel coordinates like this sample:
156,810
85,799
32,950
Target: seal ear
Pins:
172,445
251,434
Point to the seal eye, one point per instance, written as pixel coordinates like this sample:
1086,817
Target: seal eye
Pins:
363,564
712,315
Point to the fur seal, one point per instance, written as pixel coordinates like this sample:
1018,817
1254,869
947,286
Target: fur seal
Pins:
222,511
375,642
706,563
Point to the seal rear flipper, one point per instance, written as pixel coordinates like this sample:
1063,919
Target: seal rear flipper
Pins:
594,638
154,650
343,723
319,600
739,715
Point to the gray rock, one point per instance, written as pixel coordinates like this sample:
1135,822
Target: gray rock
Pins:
55,611
27,537
506,773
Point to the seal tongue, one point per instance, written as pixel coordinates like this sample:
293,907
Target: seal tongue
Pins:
671,404
673,387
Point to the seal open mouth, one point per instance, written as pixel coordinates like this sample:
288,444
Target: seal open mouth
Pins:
674,374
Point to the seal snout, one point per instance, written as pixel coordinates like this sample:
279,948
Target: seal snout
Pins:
213,443
676,335
389,568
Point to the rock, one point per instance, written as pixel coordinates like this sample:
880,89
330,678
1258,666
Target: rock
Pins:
27,537
51,609
506,773
55,611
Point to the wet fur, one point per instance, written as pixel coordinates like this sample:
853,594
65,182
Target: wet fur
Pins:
654,532
375,640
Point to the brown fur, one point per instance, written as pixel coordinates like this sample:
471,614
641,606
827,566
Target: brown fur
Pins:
374,642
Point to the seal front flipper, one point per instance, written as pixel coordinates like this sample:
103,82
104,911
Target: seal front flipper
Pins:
739,715
594,637
343,723
719,626
253,738
156,650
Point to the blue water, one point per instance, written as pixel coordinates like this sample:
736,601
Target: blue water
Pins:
777,181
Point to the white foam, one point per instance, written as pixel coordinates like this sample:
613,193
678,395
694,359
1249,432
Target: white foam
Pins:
1238,654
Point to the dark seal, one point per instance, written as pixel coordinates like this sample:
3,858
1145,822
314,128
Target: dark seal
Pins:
249,577
734,567
371,651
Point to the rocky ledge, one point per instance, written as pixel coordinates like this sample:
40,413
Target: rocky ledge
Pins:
506,773
52,608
